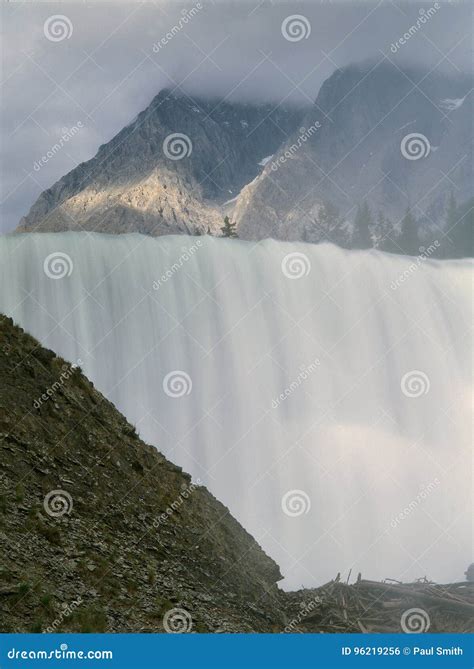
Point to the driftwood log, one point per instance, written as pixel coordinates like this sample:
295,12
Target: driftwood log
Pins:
388,606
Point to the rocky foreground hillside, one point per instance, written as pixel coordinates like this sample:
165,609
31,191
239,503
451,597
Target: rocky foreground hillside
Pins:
100,533
126,533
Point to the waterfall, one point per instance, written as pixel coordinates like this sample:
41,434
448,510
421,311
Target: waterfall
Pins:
323,395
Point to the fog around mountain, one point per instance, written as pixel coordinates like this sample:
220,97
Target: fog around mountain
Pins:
114,62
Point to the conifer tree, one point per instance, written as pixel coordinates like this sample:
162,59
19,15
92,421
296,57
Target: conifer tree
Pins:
451,212
363,223
228,229
325,223
460,228
408,239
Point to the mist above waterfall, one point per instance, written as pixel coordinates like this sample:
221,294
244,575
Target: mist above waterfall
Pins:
323,395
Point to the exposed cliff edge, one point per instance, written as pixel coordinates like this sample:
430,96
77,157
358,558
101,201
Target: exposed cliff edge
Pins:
129,536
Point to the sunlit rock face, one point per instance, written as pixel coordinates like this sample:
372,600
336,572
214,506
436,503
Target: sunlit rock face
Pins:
390,138
177,168
323,395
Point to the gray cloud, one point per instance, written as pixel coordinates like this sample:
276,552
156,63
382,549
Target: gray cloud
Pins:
108,70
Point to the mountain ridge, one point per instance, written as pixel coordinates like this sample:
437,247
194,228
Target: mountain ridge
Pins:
292,173
357,157
136,183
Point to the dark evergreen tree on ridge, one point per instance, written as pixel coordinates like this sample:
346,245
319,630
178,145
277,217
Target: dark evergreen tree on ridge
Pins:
228,229
460,227
363,222
409,241
327,220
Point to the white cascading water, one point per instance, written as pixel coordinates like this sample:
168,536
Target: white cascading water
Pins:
330,412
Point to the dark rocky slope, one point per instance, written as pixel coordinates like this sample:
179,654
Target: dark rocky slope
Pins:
139,540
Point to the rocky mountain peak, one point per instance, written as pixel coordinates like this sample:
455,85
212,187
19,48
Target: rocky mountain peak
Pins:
379,139
170,170
356,146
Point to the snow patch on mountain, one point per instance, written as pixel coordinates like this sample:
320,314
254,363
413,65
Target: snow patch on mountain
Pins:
265,160
451,103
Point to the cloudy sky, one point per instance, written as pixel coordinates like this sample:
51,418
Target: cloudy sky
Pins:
97,65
